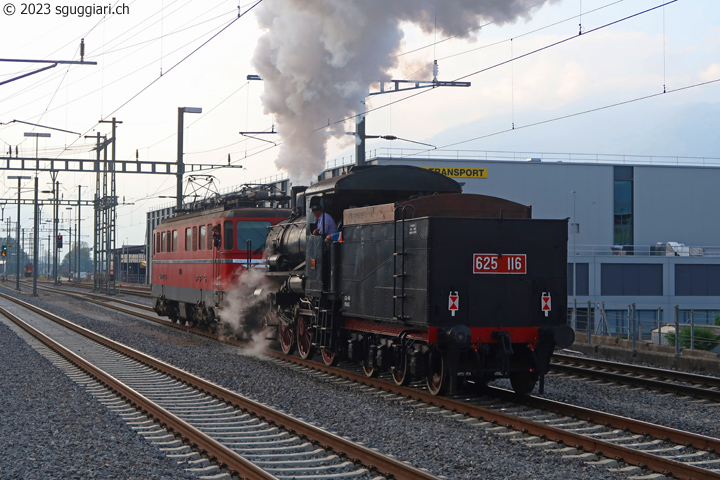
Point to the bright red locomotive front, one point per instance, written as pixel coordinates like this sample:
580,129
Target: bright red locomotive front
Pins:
193,270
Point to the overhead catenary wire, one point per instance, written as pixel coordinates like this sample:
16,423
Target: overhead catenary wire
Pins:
499,64
145,88
584,112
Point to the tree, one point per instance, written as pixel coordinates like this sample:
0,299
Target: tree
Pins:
705,338
86,262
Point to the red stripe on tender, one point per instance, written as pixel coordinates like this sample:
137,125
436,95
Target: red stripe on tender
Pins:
517,334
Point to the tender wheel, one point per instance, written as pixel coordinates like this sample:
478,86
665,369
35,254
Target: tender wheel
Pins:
329,358
369,370
522,382
287,338
438,377
401,373
304,338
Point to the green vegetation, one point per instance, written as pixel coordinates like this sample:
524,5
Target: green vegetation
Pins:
705,337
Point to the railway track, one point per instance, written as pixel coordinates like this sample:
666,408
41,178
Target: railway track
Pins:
670,381
185,414
138,291
569,430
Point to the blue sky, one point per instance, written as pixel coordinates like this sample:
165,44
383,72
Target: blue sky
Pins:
672,47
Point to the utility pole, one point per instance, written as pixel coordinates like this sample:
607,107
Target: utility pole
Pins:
36,240
180,153
108,204
56,197
360,126
77,235
17,250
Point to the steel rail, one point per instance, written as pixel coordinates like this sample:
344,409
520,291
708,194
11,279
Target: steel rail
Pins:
648,383
629,455
97,299
105,302
638,369
371,459
216,451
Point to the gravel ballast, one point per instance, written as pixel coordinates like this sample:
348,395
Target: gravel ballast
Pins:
51,428
444,446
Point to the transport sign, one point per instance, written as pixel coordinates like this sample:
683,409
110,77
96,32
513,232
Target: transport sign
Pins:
494,263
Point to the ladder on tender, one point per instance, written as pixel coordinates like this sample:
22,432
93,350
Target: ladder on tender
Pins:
399,264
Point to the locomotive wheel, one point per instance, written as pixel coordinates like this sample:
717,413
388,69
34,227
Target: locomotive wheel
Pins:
438,376
401,373
522,382
329,358
369,370
304,338
287,338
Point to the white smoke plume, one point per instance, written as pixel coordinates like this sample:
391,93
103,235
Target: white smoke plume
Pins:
318,58
244,310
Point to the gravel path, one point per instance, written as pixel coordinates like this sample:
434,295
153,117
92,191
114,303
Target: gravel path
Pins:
442,445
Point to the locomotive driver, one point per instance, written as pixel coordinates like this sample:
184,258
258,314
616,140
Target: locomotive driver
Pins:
325,223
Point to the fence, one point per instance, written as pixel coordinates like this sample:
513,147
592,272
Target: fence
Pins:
134,278
698,329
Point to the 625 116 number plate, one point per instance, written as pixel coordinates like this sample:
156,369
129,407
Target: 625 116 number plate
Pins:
494,263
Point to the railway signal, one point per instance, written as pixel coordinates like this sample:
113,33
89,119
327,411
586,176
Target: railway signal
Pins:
4,251
59,241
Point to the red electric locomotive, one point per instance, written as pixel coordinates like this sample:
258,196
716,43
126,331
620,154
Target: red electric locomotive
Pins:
198,257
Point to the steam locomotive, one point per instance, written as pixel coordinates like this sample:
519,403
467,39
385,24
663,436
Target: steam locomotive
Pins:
425,282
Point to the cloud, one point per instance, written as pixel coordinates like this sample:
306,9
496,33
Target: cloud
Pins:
711,73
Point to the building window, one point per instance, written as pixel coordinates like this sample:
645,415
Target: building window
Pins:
631,279
623,205
698,317
697,280
582,286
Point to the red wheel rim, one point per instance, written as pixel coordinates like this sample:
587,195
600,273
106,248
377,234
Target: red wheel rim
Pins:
329,358
304,338
287,339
